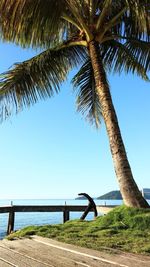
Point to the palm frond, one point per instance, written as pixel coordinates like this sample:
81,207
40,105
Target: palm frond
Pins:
118,57
87,100
104,11
37,78
141,50
125,17
81,13
137,22
31,23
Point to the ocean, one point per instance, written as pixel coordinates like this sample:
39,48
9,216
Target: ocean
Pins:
42,218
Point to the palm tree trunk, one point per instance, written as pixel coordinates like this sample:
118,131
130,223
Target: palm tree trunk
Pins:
131,195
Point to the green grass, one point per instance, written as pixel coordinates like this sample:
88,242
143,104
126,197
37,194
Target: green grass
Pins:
123,228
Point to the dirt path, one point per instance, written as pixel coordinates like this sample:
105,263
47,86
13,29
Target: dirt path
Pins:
42,252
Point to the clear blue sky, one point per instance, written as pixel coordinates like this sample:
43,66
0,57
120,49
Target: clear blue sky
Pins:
50,151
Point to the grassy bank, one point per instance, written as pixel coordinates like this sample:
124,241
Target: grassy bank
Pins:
127,229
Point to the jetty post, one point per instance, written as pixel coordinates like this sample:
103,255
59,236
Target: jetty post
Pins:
11,220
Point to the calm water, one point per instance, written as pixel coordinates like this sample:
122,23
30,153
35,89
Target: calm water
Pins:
41,218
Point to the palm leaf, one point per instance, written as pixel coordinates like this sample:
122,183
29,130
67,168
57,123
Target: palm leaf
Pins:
37,78
125,17
81,13
35,23
87,100
141,50
137,21
118,57
105,7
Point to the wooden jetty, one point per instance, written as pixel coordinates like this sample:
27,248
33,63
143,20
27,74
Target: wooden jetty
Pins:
65,209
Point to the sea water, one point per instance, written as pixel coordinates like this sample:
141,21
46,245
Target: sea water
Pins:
41,218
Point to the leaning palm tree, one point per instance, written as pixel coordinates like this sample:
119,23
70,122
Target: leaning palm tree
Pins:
98,36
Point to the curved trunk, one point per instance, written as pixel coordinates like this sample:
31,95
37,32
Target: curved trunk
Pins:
131,195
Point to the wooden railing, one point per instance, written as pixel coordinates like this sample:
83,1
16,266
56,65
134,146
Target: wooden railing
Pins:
65,209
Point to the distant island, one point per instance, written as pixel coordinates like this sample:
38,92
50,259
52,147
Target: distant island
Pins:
83,198
116,195
111,195
80,198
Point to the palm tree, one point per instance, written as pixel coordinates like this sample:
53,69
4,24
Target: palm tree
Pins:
97,36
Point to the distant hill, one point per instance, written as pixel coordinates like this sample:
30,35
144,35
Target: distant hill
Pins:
111,195
83,198
80,198
117,195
